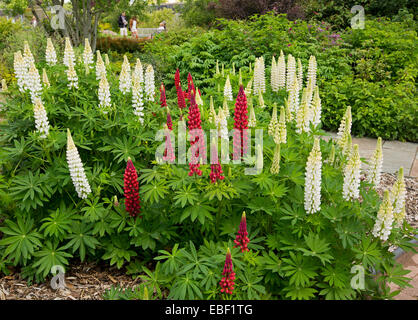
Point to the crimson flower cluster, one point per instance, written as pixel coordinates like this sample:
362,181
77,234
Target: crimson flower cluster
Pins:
181,101
227,282
190,87
163,99
131,189
169,121
169,152
177,79
241,239
240,124
194,122
215,168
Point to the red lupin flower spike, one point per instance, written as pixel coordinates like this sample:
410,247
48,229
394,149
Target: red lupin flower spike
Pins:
180,98
168,152
194,122
163,99
169,120
240,124
242,237
190,86
215,168
177,79
228,275
131,189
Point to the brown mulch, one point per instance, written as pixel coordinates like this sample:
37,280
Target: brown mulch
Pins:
84,281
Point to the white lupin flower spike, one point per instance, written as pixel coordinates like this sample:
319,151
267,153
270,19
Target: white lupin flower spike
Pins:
375,170
125,76
313,179
137,98
50,54
69,56
228,89
397,197
352,176
41,119
149,83
104,94
384,219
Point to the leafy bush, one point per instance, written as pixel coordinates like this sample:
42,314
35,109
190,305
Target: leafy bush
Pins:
120,44
186,222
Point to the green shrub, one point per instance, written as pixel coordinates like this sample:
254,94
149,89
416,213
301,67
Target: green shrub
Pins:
120,44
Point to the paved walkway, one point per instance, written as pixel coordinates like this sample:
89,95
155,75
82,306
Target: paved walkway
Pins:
395,154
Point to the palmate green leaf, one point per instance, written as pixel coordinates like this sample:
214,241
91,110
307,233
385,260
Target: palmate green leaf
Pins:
368,252
180,179
154,191
272,262
186,196
58,224
200,211
93,209
50,256
317,248
263,180
81,239
123,148
220,190
250,284
333,293
150,175
300,293
155,279
20,240
395,274
299,270
336,277
262,204
185,288
173,260
118,251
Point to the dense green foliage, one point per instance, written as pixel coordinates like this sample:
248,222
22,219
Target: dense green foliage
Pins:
373,70
186,222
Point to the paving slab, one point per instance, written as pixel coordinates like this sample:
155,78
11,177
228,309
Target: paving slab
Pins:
410,262
414,169
398,154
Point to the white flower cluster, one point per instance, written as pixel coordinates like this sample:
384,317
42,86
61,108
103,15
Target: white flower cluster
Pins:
303,115
75,166
397,197
344,131
312,71
222,124
69,56
300,74
45,79
33,83
125,76
293,99
281,71
352,176
27,56
137,98
104,94
100,66
72,76
138,71
149,83
291,72
383,225
41,119
87,54
3,85
280,131
228,90
313,179
20,71
315,108
259,84
274,76
50,54
376,162
273,122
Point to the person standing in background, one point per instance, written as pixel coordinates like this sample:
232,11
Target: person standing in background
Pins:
34,22
132,26
123,23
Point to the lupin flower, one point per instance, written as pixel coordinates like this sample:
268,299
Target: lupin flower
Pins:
72,77
125,76
27,56
3,85
100,66
149,83
313,179
215,167
222,124
226,108
260,99
316,108
275,165
50,54
252,121
312,70
274,79
104,94
294,96
190,85
241,240
69,57
259,83
199,100
194,122
281,71
75,166
107,59
291,72
383,225
212,113
289,114
240,125
248,89
233,68
280,131
273,122
300,74
177,79
45,79
163,99
137,98
33,83
228,275
228,89
139,71
240,77
181,101
217,72
41,119
375,170
352,176
303,117
87,55
131,189
397,198
168,152
20,71
344,131
169,121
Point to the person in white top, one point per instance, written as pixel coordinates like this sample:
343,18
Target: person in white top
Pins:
134,30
